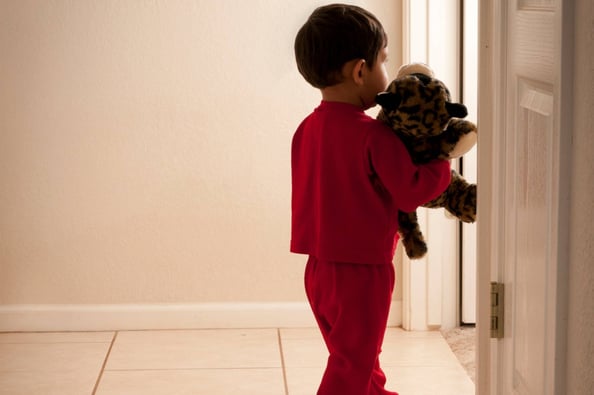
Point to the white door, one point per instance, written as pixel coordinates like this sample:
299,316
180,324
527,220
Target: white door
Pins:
523,160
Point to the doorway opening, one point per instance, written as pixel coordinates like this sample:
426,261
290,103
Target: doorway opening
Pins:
468,163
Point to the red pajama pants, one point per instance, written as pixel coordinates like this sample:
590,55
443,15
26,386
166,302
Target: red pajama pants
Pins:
351,304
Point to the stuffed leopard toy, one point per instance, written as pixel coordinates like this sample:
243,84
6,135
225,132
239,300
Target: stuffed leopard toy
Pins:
418,108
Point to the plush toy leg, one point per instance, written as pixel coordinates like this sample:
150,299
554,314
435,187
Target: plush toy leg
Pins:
459,199
462,201
411,235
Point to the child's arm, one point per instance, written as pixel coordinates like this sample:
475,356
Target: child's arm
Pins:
409,185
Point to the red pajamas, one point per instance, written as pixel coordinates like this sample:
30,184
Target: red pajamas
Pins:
350,177
352,321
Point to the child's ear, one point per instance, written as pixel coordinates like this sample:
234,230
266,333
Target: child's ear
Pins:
358,71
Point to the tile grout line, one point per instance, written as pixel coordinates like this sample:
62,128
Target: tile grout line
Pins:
115,335
282,357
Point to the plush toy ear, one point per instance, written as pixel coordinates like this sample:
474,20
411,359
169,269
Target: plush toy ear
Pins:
388,100
456,110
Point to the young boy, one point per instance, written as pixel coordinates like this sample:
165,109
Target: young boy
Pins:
350,176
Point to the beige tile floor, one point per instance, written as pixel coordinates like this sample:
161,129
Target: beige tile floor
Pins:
210,362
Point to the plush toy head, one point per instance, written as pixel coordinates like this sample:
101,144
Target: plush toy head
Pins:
419,108
418,105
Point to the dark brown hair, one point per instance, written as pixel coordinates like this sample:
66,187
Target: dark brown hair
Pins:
333,35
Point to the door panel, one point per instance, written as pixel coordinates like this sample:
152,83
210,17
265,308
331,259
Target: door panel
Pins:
531,258
524,194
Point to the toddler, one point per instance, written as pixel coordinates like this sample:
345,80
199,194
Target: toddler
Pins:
350,176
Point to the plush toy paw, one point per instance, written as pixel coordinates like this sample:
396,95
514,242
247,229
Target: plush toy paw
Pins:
411,235
415,247
464,134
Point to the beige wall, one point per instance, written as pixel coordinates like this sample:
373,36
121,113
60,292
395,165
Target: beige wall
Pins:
144,149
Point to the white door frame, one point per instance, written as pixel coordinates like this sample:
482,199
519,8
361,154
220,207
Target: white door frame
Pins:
489,227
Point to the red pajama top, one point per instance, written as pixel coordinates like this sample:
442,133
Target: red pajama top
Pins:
350,176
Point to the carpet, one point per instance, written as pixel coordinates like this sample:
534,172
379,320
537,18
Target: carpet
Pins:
462,342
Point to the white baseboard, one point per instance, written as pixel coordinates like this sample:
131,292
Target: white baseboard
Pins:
49,318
